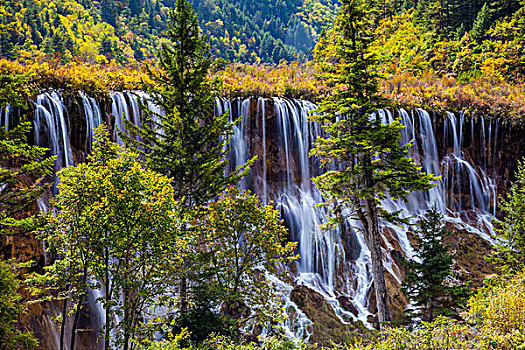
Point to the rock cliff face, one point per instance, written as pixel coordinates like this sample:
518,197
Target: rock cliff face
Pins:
333,287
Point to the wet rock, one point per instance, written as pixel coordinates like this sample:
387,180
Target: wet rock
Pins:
327,326
347,304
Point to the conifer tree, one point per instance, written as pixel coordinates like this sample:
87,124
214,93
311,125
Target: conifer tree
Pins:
510,232
20,163
425,283
372,164
481,23
183,139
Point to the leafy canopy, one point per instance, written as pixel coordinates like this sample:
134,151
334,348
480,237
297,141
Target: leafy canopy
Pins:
11,306
247,240
117,223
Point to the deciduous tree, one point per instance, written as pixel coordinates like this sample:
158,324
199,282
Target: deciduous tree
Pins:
11,305
117,223
247,240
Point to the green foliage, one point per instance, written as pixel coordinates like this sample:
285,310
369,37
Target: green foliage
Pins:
482,22
184,140
426,282
116,223
443,333
246,240
499,311
244,31
23,167
510,231
22,178
401,44
374,163
11,306
176,342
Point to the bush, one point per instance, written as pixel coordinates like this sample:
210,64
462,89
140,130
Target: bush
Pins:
499,311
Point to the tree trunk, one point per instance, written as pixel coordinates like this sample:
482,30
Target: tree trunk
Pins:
74,327
107,301
378,272
63,323
183,294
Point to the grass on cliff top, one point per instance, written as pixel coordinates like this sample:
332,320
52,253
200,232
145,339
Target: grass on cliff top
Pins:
486,96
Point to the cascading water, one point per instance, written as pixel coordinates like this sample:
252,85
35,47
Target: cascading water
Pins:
326,265
93,117
336,262
4,117
125,106
51,128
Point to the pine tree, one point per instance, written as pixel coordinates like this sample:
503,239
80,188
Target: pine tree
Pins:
185,140
510,231
19,161
482,23
425,283
372,164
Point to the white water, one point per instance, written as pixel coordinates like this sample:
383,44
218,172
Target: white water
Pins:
93,117
4,117
51,128
335,263
325,265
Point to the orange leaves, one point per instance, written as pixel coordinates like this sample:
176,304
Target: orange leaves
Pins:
76,76
292,80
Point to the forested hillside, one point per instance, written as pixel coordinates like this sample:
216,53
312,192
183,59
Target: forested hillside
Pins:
129,30
243,31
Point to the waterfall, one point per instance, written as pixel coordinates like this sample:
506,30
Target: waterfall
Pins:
93,117
4,117
51,128
336,262
125,106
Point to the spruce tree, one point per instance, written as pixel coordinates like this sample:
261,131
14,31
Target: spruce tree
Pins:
510,231
371,162
20,163
184,140
482,23
425,283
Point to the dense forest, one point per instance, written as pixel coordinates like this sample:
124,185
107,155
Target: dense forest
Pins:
239,31
129,31
277,175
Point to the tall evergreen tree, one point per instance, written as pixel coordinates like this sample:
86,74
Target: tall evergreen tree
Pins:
425,283
184,139
482,22
372,164
511,230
